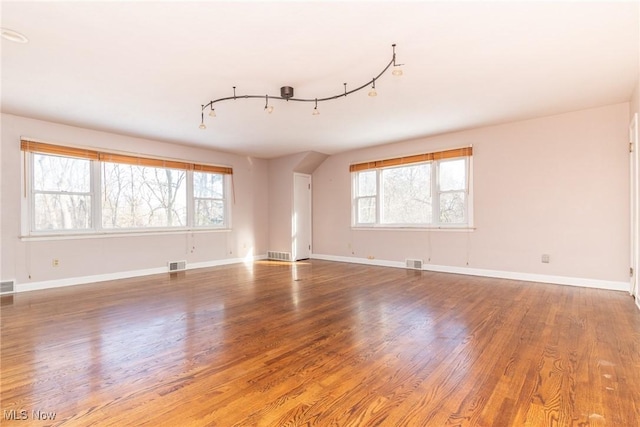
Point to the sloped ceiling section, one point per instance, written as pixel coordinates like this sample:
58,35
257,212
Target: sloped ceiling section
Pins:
145,68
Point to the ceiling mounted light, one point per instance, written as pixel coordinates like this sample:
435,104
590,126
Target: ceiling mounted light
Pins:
13,36
286,92
202,125
373,91
268,108
212,113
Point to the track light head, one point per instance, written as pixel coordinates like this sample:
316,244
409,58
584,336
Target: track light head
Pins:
202,125
268,108
373,91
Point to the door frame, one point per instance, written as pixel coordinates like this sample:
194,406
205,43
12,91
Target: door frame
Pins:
634,211
294,249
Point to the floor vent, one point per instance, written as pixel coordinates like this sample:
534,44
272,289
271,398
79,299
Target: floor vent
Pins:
177,266
414,264
279,256
7,287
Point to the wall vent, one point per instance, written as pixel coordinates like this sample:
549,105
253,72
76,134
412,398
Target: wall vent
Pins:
177,266
414,264
7,287
279,256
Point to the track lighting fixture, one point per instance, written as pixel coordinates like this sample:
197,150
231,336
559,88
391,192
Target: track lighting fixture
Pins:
202,125
373,91
268,108
13,36
286,92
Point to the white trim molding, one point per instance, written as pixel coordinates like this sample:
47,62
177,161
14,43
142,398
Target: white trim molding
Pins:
512,275
72,281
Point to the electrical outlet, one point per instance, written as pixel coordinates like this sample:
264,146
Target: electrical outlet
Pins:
545,258
371,257
55,262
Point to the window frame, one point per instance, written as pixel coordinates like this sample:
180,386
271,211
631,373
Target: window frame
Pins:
28,196
356,198
191,202
33,192
435,195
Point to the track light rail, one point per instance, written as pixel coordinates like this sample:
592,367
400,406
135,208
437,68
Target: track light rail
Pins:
286,92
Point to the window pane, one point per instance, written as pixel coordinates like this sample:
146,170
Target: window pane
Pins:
208,185
53,173
61,212
367,183
453,175
209,213
407,195
139,196
452,208
366,210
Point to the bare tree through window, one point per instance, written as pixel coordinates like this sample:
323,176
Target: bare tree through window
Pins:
62,193
141,196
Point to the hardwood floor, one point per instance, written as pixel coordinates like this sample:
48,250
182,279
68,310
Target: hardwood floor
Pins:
320,343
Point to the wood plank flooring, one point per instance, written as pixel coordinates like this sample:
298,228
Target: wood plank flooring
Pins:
318,343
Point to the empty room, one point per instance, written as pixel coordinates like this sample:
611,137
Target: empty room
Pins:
354,213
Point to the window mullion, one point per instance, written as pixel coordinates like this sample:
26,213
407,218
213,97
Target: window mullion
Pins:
435,190
190,200
65,193
96,196
32,201
379,197
226,190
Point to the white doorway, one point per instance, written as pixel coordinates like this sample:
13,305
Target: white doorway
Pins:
634,165
301,220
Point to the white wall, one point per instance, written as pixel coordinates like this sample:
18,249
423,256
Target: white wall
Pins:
634,108
281,172
30,261
281,201
556,185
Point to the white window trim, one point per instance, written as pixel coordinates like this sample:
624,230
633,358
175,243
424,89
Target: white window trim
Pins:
467,226
191,199
27,232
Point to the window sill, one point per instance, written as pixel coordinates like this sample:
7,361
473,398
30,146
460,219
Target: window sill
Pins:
409,228
116,234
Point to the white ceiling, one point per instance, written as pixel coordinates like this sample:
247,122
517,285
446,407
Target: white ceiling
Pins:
144,68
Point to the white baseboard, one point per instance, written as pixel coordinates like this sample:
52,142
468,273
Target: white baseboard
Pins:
527,277
558,280
72,281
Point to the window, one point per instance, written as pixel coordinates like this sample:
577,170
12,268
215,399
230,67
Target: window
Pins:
366,197
76,190
61,193
209,201
142,196
428,190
